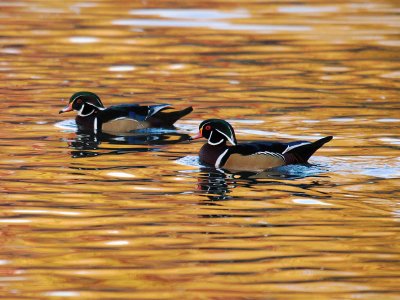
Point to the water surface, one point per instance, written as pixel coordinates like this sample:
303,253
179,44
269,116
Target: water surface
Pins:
137,216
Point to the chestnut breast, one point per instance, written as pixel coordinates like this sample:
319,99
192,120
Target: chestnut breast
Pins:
209,154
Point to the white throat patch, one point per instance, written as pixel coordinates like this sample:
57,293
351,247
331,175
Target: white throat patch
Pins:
214,144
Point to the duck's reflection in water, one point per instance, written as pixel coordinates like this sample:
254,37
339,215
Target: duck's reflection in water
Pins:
90,144
215,183
218,184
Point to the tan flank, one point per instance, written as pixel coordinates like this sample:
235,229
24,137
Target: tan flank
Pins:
123,125
254,162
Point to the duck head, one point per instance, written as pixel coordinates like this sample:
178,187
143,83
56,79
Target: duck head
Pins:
217,132
85,103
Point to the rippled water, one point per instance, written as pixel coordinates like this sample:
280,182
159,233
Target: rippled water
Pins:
137,216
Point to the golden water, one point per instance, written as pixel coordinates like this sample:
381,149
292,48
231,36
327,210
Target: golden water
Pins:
136,218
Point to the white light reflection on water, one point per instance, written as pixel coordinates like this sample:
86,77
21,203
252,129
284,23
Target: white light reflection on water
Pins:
388,120
303,9
373,166
120,174
309,202
62,294
14,221
83,39
121,68
202,18
10,51
218,25
199,14
391,141
117,243
46,212
67,125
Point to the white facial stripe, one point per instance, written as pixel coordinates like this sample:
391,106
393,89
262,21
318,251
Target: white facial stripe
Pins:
229,139
80,112
231,134
218,162
101,103
217,143
99,108
75,99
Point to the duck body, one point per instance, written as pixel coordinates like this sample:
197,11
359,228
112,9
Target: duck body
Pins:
253,156
124,118
119,119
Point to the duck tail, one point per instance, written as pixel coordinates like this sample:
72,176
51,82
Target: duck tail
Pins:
301,153
163,118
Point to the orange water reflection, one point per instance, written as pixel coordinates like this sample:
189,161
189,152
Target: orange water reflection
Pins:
89,217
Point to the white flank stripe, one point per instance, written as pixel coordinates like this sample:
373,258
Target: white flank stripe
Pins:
123,118
278,155
218,162
95,125
153,112
293,147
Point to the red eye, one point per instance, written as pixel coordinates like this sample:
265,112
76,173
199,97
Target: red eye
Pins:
208,127
79,101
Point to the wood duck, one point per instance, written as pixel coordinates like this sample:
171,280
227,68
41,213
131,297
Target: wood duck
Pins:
94,117
254,156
